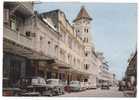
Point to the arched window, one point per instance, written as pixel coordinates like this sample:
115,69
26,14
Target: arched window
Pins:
87,40
86,54
87,30
86,66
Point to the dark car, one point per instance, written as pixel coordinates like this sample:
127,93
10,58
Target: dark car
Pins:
34,86
105,85
122,85
9,90
56,85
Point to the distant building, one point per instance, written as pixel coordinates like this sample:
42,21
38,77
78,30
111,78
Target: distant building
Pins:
131,71
104,74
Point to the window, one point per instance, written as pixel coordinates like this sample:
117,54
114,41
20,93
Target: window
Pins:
86,54
86,66
49,42
74,61
56,48
87,40
87,30
6,15
68,57
13,23
28,33
70,42
84,39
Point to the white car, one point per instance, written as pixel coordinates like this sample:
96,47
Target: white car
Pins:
91,85
86,85
56,85
75,86
34,86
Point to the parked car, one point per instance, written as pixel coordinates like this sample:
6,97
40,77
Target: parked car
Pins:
9,90
105,85
34,86
87,85
75,86
56,85
122,85
91,85
83,87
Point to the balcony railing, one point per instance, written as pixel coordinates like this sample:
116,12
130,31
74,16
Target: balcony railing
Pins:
17,38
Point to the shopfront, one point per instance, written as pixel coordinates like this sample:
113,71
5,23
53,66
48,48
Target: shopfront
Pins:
15,67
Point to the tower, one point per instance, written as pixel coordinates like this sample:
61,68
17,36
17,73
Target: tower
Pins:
82,26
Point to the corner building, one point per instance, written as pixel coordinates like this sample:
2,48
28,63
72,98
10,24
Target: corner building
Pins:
82,25
47,45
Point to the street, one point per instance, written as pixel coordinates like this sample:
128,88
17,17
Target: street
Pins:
113,92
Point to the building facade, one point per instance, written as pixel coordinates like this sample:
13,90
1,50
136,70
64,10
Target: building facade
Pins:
18,40
131,71
104,74
47,45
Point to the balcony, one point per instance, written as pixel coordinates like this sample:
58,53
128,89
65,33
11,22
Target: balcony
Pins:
17,38
25,8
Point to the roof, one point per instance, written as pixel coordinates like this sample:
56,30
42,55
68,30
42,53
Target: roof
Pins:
82,14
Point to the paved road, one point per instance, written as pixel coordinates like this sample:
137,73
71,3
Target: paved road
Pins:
113,92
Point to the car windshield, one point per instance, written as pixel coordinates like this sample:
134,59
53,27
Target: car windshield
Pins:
52,81
38,81
105,83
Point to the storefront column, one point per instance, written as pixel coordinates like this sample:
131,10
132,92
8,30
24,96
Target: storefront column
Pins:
35,67
23,68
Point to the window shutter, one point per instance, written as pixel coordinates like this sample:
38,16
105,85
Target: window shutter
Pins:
6,15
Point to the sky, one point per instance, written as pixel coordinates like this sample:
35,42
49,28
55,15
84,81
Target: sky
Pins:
113,29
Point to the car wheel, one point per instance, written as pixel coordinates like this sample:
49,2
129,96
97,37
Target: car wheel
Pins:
50,95
60,91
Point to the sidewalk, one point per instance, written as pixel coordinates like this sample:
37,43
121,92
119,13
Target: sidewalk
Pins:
129,93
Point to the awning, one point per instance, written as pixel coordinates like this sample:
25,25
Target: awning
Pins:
14,48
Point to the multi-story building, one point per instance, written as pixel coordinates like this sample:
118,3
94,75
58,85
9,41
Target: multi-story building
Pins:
131,71
47,45
82,25
18,37
71,45
104,74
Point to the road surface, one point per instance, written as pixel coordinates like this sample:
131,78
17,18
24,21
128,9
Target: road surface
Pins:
112,92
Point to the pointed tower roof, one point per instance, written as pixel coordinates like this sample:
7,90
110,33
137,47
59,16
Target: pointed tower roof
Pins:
82,14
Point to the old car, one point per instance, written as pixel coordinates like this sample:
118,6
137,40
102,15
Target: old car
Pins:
105,85
10,90
91,85
87,85
34,86
56,85
75,86
83,86
122,85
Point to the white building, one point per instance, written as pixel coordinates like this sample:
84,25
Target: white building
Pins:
48,44
104,74
82,25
